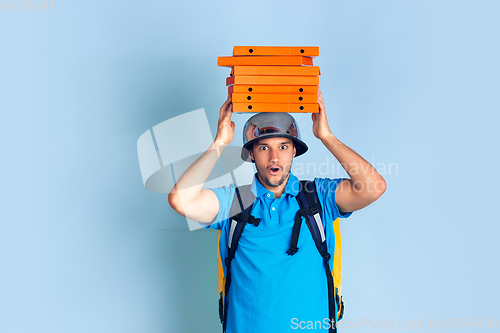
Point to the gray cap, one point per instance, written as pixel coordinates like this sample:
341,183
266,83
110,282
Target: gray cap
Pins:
270,125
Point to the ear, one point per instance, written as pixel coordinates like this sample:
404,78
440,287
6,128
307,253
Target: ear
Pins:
250,152
294,151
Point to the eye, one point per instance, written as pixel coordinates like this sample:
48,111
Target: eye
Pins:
285,147
263,148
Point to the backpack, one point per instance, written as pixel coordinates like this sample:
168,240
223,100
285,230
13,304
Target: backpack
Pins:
310,209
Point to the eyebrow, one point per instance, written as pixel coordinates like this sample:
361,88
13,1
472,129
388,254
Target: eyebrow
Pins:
281,143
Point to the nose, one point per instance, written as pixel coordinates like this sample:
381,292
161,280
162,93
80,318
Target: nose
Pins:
274,155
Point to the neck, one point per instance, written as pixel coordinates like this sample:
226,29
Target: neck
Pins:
278,190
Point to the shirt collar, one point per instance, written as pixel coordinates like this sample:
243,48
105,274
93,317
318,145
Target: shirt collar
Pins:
291,187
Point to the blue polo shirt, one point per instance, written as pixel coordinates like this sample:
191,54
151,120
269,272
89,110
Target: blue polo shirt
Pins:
271,291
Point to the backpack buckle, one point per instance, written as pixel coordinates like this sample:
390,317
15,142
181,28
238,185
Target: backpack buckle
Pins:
253,220
227,261
292,250
314,209
247,218
311,210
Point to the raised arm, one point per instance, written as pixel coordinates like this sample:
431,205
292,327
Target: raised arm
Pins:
365,184
188,197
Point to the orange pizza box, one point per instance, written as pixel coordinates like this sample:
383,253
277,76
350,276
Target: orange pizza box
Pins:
276,107
274,80
274,98
258,89
308,51
264,61
275,70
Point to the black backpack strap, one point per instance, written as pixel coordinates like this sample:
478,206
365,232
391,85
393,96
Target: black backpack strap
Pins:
239,217
310,209
307,209
295,234
242,199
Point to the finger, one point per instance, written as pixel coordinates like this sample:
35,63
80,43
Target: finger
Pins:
321,103
321,100
229,113
321,108
222,111
225,106
226,103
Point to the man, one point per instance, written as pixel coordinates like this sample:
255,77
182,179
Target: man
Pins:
270,290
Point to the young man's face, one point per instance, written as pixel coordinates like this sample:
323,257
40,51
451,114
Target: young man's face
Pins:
273,159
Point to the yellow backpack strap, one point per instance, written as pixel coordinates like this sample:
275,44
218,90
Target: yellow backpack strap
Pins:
337,268
221,281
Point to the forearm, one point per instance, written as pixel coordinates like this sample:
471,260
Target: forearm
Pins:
191,182
364,176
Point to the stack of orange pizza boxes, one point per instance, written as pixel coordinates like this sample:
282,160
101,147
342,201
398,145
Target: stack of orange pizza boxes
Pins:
273,78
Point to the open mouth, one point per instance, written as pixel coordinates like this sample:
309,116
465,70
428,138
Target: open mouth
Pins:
274,171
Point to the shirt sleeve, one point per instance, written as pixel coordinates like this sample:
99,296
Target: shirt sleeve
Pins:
326,188
225,196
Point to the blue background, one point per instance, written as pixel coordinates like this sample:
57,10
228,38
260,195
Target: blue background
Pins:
85,248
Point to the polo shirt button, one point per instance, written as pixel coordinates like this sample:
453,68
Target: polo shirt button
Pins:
268,195
273,208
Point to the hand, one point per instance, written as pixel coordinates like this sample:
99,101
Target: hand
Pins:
225,128
320,125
